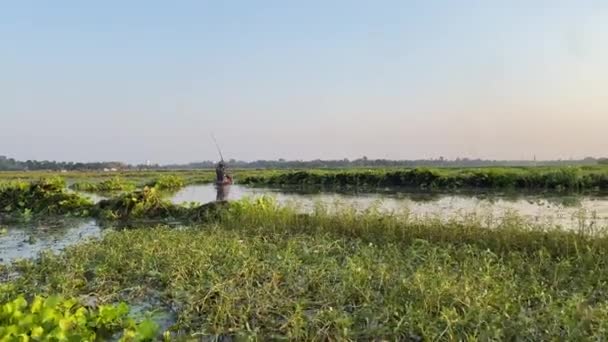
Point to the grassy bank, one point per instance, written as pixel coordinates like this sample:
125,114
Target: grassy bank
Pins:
269,272
546,178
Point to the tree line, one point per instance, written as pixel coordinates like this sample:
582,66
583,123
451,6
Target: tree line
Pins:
10,164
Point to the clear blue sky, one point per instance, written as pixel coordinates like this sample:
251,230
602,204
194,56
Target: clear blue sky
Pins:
139,80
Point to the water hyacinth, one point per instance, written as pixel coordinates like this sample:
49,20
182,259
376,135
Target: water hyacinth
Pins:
46,197
549,178
58,319
107,185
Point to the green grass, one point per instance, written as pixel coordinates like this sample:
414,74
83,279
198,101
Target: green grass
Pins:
268,272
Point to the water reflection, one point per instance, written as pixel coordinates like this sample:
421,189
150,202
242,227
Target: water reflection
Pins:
27,240
222,192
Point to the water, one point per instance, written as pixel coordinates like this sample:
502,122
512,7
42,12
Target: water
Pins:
28,240
567,211
95,198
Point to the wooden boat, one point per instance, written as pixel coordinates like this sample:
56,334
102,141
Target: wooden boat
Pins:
227,181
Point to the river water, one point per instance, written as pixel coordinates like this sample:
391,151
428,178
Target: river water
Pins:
570,211
566,210
27,240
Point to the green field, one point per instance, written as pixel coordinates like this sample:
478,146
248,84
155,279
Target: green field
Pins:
254,270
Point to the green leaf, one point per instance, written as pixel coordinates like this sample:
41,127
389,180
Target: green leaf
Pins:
37,332
147,329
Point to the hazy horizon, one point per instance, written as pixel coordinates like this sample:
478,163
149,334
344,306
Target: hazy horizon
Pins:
149,80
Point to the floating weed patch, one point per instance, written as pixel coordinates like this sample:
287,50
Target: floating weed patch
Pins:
58,319
550,178
146,203
47,197
108,185
168,182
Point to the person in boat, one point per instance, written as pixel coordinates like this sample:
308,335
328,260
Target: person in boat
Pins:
222,192
220,174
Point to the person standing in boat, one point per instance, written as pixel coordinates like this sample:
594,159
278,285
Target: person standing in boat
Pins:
221,176
220,172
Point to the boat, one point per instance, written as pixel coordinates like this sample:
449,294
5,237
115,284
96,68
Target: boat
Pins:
226,181
221,177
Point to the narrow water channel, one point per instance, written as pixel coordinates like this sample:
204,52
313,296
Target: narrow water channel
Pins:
571,212
567,210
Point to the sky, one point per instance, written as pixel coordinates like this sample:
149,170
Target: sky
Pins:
151,80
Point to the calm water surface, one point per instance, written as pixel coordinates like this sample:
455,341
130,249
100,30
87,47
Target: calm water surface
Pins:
27,241
567,211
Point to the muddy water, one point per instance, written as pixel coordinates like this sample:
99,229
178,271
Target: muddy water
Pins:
27,240
568,211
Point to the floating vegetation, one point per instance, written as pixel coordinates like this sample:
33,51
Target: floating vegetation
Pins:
149,204
552,178
46,197
146,203
49,198
108,185
169,182
58,319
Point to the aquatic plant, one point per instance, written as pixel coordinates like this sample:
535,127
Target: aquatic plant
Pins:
107,185
48,197
45,197
265,271
573,178
168,182
58,319
149,204
146,203
552,178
